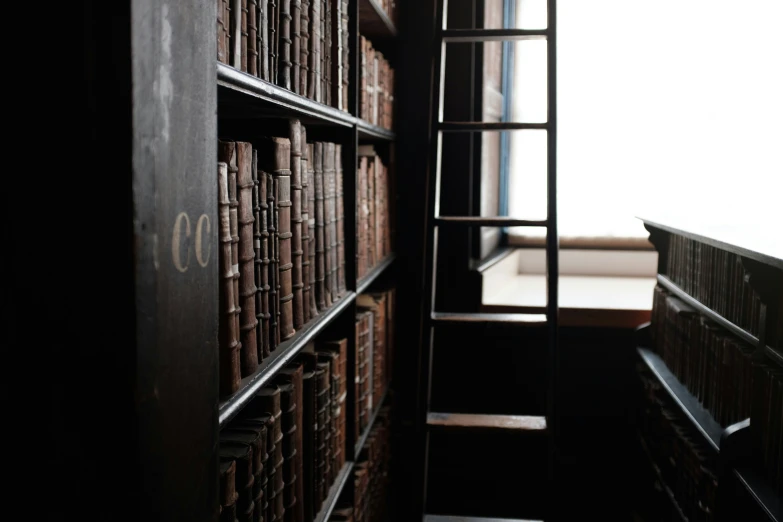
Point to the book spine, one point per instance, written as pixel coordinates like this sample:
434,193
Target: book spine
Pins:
278,273
327,51
252,37
380,200
263,39
274,304
371,217
296,35
311,226
361,229
340,223
328,150
228,494
235,28
222,32
262,261
258,261
272,19
304,48
337,54
247,292
305,227
320,247
331,207
243,36
345,78
228,334
314,74
296,222
284,56
308,436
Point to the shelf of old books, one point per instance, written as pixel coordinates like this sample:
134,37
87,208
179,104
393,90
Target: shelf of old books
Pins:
715,300
366,433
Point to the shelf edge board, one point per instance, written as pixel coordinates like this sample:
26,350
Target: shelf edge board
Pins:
706,310
366,433
239,81
383,17
767,501
376,271
698,416
334,493
284,353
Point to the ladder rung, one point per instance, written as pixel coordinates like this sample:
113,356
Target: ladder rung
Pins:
478,126
492,35
471,318
494,221
457,518
488,422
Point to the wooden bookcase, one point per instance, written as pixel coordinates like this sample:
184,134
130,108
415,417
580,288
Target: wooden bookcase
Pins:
744,491
158,103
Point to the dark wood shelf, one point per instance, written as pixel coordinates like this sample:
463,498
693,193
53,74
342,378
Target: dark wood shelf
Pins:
369,132
689,404
284,353
374,22
753,243
376,271
334,493
368,429
761,491
659,477
705,310
279,98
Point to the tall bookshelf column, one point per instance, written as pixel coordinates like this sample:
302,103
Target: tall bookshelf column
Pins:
176,271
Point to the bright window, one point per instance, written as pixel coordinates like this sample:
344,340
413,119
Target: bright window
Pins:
674,104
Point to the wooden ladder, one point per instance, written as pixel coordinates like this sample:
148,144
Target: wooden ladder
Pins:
431,420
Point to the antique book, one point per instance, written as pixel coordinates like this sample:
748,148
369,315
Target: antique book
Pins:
326,50
242,455
277,154
274,302
247,287
304,49
262,258
255,438
311,226
308,361
235,30
274,36
346,68
227,493
314,64
252,37
228,323
296,30
320,245
380,209
335,450
376,304
278,273
340,219
329,240
267,401
330,201
263,424
323,375
263,39
372,259
293,374
336,37
289,429
243,34
227,153
296,222
284,53
363,93
361,219
305,227
222,31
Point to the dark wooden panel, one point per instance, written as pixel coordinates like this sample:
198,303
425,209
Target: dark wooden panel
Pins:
174,157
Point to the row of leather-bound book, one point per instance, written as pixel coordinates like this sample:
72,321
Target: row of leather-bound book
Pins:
281,235
376,101
686,465
374,217
280,456
716,278
371,477
300,45
283,452
719,369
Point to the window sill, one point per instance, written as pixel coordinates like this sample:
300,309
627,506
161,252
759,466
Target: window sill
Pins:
586,300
